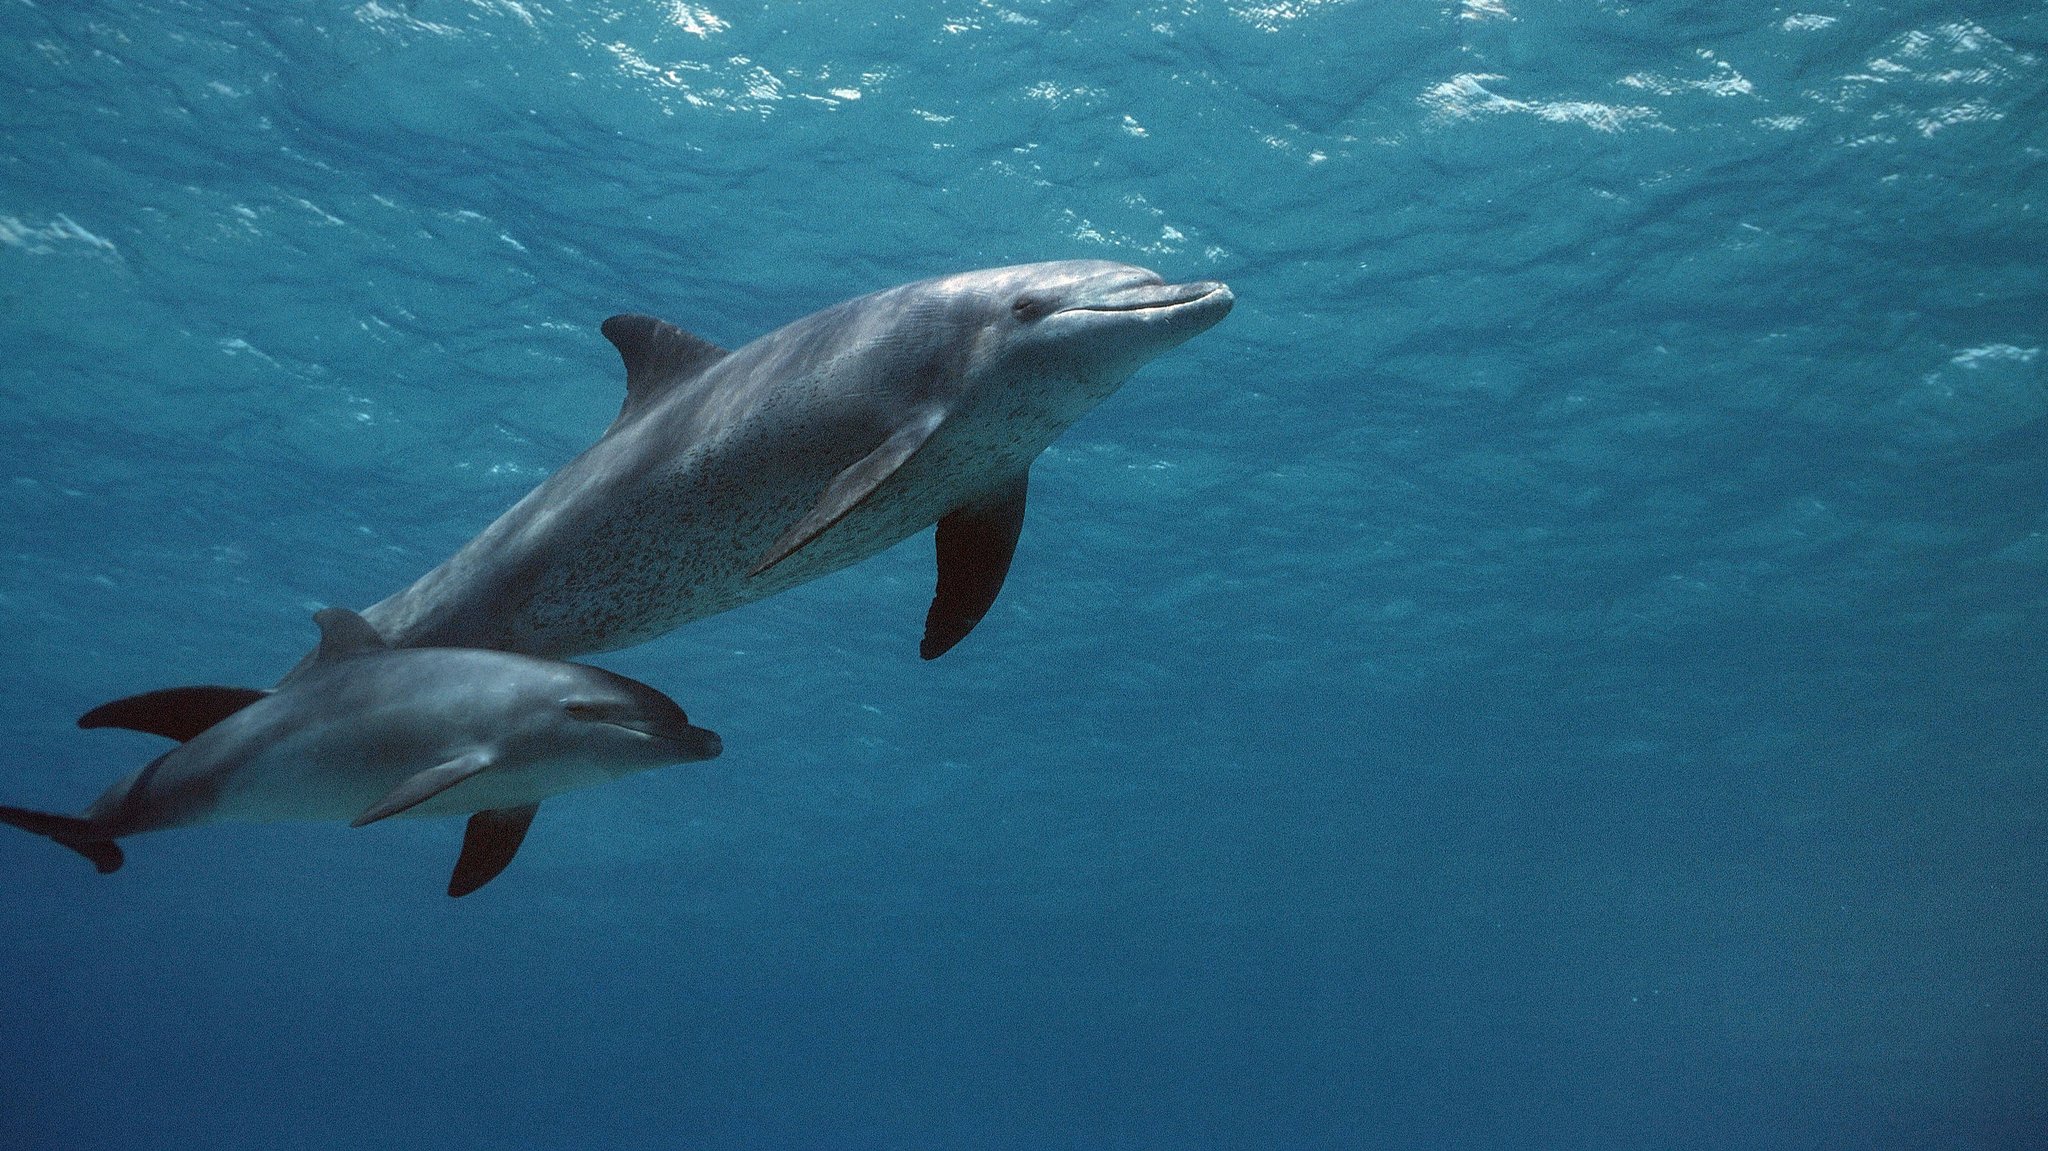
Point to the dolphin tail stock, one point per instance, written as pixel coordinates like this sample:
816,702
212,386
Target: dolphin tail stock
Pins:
80,835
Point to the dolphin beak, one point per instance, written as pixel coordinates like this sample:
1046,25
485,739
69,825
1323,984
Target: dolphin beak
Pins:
709,746
1147,297
693,741
1182,308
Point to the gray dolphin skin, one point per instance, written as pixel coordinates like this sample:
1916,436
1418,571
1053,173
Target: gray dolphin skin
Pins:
363,732
729,476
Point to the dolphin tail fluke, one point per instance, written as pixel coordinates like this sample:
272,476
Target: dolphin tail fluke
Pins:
80,835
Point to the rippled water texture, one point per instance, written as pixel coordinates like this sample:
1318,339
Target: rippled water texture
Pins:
1562,665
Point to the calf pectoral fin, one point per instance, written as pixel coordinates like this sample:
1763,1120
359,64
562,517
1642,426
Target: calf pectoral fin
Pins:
975,545
853,485
488,845
423,787
175,712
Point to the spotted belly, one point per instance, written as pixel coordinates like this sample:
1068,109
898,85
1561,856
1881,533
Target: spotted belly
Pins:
681,547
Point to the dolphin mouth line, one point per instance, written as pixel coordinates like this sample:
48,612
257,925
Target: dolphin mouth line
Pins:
646,733
1206,290
696,742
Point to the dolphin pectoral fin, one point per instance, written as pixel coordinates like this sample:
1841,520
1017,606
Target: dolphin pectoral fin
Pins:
975,545
80,835
423,787
488,845
175,712
853,485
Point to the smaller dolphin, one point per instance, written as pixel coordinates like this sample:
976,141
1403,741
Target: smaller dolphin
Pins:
364,732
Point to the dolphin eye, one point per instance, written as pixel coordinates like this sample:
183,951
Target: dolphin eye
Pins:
584,708
1030,307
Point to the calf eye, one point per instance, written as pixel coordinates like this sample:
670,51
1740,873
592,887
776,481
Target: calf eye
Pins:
1029,308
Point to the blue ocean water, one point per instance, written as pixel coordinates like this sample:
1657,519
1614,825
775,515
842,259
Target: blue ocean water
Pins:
1562,665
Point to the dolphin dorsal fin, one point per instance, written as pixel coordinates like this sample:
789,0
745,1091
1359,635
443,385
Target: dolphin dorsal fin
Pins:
658,356
343,634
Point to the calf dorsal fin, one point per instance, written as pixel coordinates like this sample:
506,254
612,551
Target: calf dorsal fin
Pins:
344,634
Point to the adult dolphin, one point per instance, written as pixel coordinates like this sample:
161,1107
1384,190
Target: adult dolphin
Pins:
729,476
363,732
